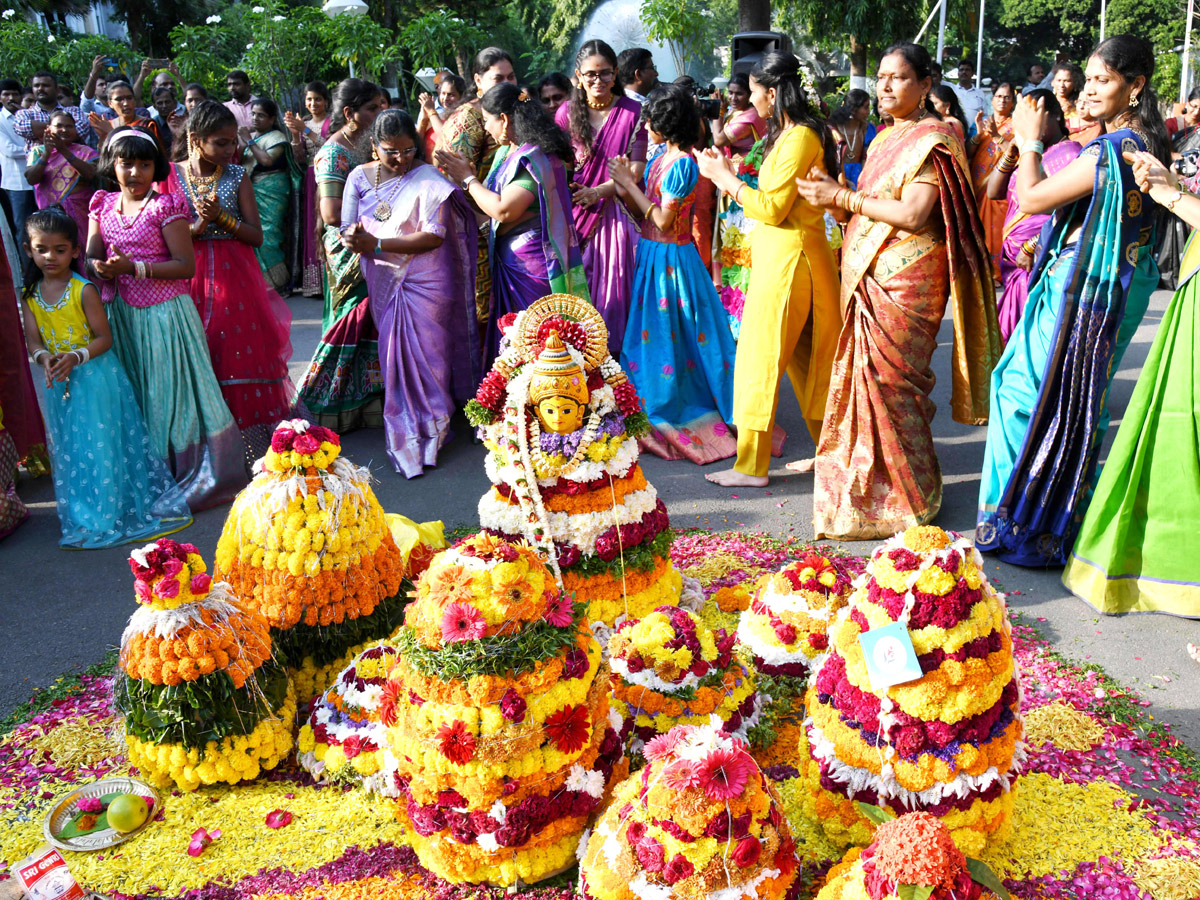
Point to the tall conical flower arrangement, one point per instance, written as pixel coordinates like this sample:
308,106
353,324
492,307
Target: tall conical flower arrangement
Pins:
497,715
307,545
204,701
949,742
699,822
561,424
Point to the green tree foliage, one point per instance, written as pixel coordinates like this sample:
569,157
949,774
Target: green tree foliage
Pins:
862,28
72,61
150,22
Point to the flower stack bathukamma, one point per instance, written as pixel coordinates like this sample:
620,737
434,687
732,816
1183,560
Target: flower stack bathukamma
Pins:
204,700
949,742
497,708
669,669
786,627
561,423
699,821
915,851
307,545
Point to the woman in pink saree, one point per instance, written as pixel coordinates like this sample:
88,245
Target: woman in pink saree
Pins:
603,125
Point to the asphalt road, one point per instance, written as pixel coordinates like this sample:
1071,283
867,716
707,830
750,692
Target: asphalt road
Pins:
60,610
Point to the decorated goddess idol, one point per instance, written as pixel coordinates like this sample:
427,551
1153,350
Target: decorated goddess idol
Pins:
561,423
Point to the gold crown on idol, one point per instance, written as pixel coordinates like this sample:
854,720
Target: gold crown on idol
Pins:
556,374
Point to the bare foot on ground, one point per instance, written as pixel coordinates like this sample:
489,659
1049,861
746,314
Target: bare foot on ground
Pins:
801,465
734,478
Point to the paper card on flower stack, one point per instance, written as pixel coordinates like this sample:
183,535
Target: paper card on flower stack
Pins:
889,655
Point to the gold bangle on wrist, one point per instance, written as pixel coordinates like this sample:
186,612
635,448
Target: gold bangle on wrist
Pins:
857,199
1179,195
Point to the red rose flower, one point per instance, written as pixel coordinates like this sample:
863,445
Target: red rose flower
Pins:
650,854
818,640
457,744
306,443
786,633
512,706
678,869
352,746
747,851
568,728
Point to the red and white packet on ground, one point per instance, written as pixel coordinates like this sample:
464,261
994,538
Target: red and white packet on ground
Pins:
44,876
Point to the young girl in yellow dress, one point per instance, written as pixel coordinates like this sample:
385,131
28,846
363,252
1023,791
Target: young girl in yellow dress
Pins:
110,486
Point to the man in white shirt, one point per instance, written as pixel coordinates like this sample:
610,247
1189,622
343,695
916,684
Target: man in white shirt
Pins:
973,100
17,192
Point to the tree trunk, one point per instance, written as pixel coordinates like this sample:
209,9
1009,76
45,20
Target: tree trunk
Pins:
460,59
858,63
754,15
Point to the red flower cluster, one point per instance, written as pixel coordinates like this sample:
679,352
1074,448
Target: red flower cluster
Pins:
568,728
287,437
166,558
512,707
610,543
569,332
456,743
491,391
627,399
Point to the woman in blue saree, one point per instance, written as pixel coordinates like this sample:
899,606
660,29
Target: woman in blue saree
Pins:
1088,292
533,245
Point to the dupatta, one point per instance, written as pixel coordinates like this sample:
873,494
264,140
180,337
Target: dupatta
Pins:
1052,475
895,159
560,244
59,177
613,139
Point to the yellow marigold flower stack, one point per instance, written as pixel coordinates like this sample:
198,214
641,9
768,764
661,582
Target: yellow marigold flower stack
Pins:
949,743
307,545
234,719
669,669
499,743
699,821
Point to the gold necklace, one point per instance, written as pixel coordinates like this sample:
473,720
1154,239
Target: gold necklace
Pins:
383,209
593,105
203,185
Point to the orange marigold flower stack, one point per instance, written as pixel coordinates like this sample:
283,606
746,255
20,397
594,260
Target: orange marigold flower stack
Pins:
235,718
951,741
915,849
699,821
307,545
669,669
499,743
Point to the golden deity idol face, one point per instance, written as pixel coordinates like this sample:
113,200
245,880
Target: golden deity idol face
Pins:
560,415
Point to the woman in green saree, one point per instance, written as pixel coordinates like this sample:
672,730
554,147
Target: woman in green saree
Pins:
268,159
343,386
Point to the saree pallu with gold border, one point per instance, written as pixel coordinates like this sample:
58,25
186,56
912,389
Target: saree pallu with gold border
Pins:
876,470
1050,388
992,213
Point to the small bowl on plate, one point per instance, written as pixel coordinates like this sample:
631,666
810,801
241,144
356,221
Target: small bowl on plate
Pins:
65,809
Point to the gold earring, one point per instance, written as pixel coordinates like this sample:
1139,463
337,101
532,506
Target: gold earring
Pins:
1134,101
194,153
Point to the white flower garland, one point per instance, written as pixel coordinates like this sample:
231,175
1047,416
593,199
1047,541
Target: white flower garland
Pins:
579,529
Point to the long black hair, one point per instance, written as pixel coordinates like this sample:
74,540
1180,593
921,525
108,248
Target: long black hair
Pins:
354,93
124,143
51,220
581,126
530,123
855,98
1129,57
920,62
488,57
781,71
394,123
946,94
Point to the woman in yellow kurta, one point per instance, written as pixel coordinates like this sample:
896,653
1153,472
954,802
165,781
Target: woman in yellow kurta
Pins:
791,320
914,244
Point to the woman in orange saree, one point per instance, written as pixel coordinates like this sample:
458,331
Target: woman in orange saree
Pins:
914,244
993,141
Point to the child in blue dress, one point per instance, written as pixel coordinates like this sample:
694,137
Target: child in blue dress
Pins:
678,349
109,485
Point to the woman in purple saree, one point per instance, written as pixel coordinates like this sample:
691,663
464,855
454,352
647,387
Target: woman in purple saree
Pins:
1021,230
534,250
604,125
416,235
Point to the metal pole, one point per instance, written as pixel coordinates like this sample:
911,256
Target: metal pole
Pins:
1187,54
979,51
941,32
928,19
1103,16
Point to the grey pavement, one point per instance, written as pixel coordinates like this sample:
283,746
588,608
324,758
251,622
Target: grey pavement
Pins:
60,610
